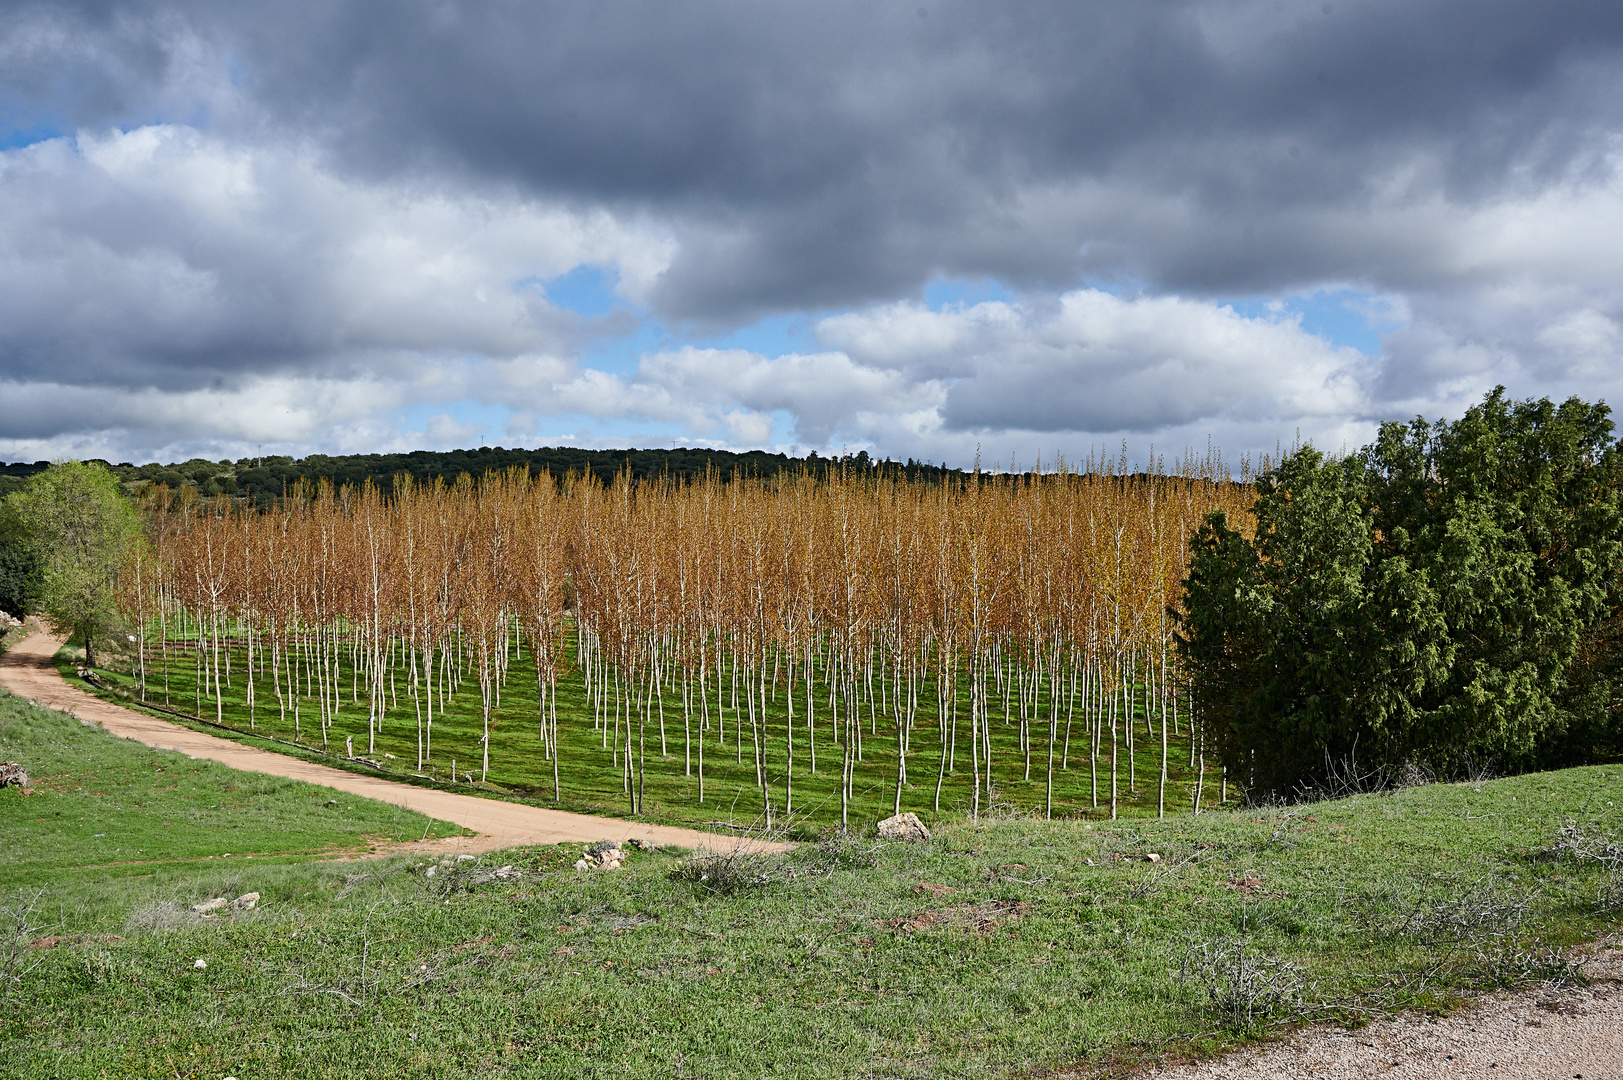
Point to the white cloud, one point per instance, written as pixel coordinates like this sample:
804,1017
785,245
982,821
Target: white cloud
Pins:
165,291
1011,378
1095,362
444,431
163,256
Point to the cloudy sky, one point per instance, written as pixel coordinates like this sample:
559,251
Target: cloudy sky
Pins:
914,228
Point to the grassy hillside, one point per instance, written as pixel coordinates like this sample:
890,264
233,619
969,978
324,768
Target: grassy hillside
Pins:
1000,947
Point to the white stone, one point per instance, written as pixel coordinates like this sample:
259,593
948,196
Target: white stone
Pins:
246,902
210,905
904,827
200,964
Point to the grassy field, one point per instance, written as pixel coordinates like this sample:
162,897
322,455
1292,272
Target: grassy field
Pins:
100,810
1004,947
591,774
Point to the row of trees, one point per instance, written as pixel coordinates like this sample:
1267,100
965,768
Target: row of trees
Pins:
874,607
1449,594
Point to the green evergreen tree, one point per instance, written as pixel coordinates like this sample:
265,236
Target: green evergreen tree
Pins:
1514,513
1307,646
1448,594
20,567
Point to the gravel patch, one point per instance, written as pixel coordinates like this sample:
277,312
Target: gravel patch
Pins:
1542,1035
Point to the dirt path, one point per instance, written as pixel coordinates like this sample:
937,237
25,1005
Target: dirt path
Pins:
1545,1035
26,670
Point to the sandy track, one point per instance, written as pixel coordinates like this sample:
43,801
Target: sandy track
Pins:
1545,1035
26,670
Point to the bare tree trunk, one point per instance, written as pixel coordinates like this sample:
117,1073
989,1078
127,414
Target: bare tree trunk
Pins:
1113,791
1161,798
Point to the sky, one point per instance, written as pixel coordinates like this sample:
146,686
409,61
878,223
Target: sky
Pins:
930,230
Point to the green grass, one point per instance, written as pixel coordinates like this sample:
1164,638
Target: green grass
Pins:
101,809
830,969
591,776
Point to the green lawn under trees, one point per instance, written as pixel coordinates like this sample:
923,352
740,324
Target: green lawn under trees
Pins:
591,769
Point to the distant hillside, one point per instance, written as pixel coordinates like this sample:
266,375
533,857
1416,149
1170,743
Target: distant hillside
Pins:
262,479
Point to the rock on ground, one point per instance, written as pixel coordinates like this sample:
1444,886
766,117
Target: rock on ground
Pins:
904,827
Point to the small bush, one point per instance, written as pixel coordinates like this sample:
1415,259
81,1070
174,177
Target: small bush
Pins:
1239,990
1585,843
1481,912
727,872
98,968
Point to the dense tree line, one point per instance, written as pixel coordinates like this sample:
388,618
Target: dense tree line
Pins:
264,479
1448,596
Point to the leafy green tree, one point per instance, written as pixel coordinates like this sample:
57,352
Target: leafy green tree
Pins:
82,527
1308,646
1514,514
1449,593
20,568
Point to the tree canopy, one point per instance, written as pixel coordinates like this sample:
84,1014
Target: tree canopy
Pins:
1448,594
20,569
81,528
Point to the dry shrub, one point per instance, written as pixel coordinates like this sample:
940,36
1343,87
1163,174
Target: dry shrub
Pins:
728,872
1581,842
839,849
1501,962
18,926
1239,989
1610,900
1483,911
160,915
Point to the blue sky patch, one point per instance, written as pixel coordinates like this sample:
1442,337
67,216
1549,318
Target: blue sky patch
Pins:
1343,317
586,290
949,292
773,337
16,138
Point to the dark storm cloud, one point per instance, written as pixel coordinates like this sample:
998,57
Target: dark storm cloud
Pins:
347,207
831,153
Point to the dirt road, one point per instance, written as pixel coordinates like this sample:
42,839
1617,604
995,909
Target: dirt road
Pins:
1544,1035
26,670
